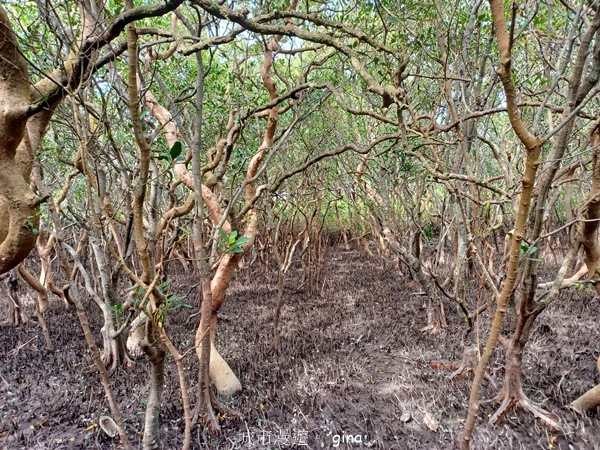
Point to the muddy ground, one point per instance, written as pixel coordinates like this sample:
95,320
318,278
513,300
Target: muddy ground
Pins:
353,371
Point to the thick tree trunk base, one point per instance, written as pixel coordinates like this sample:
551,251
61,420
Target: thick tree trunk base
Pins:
512,396
468,364
204,412
588,402
222,376
155,350
436,318
116,354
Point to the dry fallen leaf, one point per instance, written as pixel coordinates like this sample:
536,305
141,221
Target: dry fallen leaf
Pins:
431,423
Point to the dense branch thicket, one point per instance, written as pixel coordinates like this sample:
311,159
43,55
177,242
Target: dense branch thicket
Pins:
458,141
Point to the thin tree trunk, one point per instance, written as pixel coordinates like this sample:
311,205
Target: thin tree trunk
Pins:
185,398
69,293
532,145
154,348
280,280
204,409
589,239
15,309
152,344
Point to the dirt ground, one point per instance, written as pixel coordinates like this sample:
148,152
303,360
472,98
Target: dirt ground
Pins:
353,371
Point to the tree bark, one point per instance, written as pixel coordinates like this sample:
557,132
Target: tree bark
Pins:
587,402
18,203
154,349
512,393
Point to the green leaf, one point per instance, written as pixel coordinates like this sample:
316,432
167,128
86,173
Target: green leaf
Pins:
176,150
242,240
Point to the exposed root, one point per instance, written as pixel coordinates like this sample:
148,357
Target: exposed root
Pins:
466,366
224,411
113,361
505,406
204,414
210,421
546,417
443,364
116,364
468,363
509,402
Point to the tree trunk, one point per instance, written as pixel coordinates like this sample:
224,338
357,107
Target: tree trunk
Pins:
155,350
204,350
512,394
532,145
115,349
589,239
16,316
223,377
72,296
512,391
588,402
280,281
18,203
